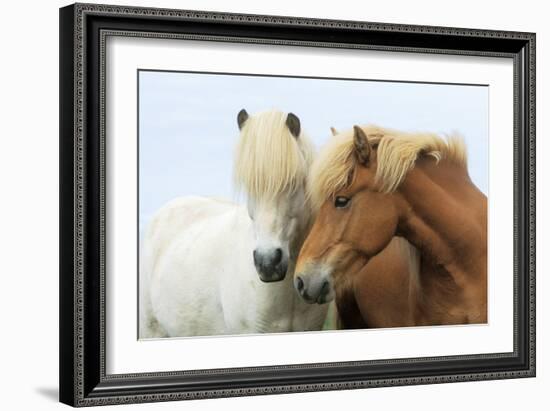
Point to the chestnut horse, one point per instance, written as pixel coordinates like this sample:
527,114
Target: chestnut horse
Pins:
400,237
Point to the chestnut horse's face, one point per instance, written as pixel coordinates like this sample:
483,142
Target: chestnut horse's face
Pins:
350,228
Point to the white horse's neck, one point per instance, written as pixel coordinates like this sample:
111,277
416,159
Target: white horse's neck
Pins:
197,276
266,306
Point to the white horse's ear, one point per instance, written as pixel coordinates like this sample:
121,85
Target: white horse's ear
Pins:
241,118
333,131
362,145
293,124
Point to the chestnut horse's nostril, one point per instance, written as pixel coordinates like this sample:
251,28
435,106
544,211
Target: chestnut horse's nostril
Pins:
324,289
299,283
277,256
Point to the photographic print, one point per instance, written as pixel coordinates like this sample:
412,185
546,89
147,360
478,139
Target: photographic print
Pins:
273,204
257,204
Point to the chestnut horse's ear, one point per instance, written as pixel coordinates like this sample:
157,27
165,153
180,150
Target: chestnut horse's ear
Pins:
333,131
293,124
362,145
241,118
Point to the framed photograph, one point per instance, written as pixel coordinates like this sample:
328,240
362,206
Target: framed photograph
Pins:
262,204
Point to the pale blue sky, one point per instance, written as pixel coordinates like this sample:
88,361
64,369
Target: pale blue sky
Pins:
188,126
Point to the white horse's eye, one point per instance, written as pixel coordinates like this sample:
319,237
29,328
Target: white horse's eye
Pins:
341,202
250,208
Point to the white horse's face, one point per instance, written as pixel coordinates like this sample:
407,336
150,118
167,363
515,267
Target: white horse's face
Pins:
279,230
271,164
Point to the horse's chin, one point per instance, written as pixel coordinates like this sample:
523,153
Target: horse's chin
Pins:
321,299
325,299
272,278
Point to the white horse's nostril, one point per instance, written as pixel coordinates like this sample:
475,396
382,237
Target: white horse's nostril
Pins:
255,257
278,256
271,258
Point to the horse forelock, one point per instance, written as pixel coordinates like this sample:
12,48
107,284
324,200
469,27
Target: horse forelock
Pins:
397,152
269,160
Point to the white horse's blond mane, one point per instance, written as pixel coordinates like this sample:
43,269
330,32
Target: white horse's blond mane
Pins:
269,160
397,151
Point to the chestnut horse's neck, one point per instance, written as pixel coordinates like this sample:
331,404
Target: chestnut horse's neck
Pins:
445,216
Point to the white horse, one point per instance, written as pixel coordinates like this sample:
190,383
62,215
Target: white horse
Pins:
211,267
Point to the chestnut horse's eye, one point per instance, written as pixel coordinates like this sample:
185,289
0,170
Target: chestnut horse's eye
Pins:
341,202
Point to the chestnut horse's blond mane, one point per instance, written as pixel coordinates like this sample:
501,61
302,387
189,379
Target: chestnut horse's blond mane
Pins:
397,151
269,160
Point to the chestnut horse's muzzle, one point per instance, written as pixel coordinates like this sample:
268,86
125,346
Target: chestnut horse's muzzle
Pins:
314,288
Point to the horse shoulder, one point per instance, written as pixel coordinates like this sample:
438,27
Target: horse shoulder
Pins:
181,244
382,288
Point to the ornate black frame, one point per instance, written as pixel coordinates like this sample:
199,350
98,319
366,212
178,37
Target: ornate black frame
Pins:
83,30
